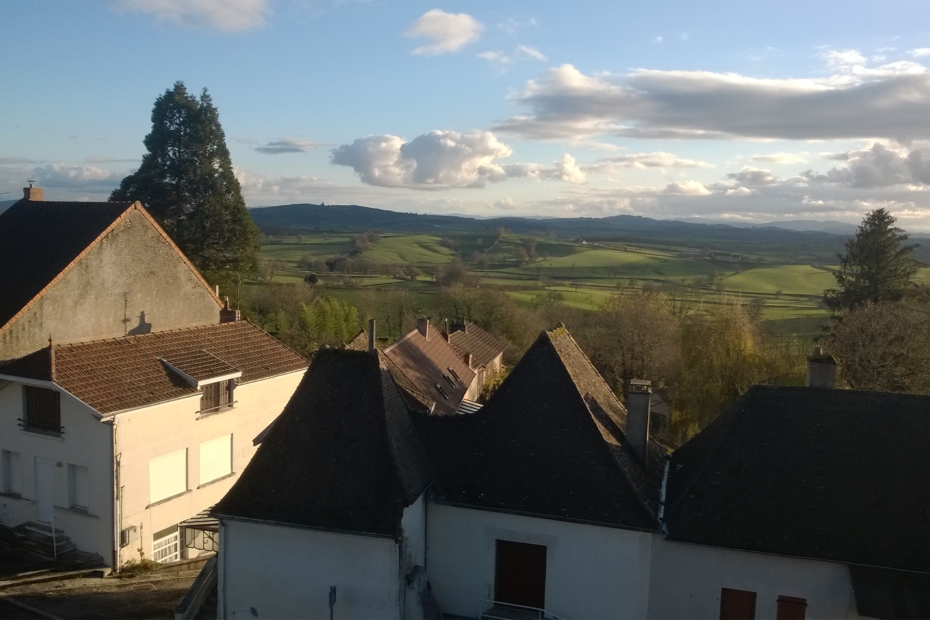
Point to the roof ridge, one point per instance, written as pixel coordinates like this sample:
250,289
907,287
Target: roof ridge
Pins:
175,330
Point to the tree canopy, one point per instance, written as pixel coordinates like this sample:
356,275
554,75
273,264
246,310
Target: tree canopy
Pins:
186,182
876,266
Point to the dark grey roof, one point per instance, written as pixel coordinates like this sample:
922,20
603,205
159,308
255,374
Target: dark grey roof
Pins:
38,240
549,442
890,594
342,456
837,475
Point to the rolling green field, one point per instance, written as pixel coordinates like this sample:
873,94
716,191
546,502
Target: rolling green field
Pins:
585,275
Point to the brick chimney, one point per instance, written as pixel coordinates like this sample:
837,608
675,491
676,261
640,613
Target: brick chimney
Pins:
423,326
36,194
637,417
372,340
821,369
467,359
227,314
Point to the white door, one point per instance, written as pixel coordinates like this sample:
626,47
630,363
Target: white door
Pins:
45,489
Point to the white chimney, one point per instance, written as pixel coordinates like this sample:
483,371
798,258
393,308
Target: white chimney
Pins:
821,369
423,326
637,417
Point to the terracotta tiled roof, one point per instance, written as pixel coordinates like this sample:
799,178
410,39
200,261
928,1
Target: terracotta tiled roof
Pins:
426,363
127,373
200,365
342,456
469,338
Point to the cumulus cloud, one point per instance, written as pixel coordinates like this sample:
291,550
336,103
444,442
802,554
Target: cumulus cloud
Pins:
920,52
752,176
642,161
841,58
889,101
288,145
63,175
225,15
449,32
445,160
521,52
879,166
687,188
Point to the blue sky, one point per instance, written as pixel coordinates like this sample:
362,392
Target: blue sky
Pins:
730,111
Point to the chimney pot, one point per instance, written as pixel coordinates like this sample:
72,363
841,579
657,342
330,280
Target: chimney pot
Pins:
227,314
467,359
637,417
423,326
821,369
34,194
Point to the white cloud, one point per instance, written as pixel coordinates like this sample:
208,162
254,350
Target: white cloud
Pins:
844,58
879,166
569,171
658,39
780,158
63,175
521,52
889,101
642,161
739,191
687,188
752,176
449,31
288,145
226,15
920,52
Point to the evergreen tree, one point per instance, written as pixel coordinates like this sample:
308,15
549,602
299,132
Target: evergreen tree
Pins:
187,183
876,267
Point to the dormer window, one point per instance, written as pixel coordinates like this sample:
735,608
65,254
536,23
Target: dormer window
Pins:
41,410
215,378
217,396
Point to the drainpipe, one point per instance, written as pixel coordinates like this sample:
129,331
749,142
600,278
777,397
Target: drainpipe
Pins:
117,507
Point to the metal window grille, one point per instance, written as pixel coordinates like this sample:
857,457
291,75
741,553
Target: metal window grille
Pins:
43,408
167,549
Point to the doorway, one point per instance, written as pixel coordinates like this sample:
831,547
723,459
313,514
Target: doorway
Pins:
520,574
45,489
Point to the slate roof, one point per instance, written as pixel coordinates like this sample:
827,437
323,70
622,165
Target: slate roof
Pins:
469,338
549,442
425,364
342,456
127,373
41,239
890,594
837,475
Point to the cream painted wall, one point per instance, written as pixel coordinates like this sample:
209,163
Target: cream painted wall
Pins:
286,572
131,271
155,431
591,572
686,582
85,442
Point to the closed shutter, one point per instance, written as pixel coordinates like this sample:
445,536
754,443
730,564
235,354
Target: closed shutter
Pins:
737,604
77,487
167,475
12,474
215,458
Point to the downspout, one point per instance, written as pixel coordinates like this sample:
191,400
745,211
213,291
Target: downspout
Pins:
117,504
662,526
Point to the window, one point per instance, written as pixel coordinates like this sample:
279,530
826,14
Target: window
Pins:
166,545
12,474
217,396
455,374
791,608
167,475
737,604
442,391
42,409
78,488
215,458
449,379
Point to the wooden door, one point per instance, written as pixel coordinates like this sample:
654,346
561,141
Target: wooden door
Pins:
737,604
520,574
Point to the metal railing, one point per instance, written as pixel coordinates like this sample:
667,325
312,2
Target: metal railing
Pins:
19,514
497,610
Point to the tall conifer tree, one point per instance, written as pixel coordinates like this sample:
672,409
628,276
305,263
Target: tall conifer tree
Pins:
877,265
186,182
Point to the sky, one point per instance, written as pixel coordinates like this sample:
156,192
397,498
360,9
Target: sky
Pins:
723,111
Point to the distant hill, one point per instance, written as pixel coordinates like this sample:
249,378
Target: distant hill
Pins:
804,245
6,204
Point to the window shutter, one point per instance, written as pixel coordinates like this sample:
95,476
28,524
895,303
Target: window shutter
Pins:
215,458
737,604
791,608
167,475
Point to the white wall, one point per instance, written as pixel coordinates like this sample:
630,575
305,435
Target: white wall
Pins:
155,431
85,441
591,572
413,524
686,582
286,572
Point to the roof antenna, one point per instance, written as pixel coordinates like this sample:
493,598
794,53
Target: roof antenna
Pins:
31,181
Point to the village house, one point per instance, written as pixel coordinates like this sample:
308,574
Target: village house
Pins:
141,409
477,348
798,502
